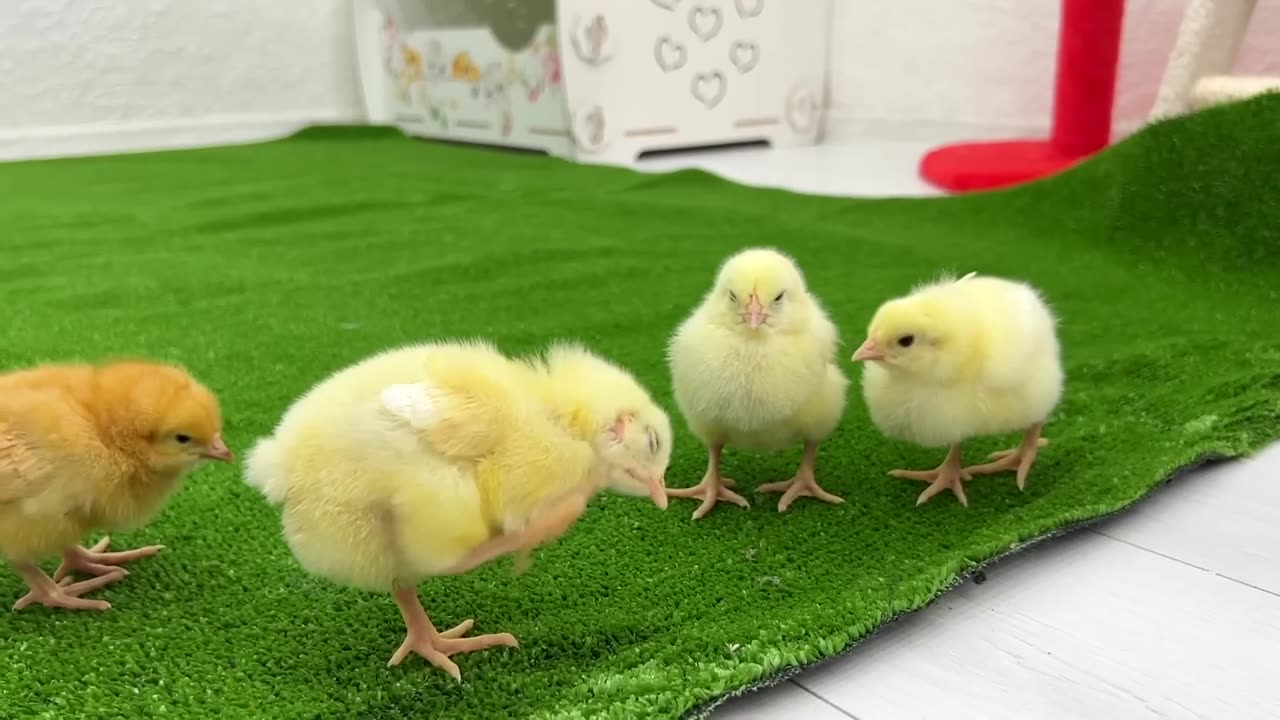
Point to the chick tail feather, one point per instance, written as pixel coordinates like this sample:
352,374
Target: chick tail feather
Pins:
264,469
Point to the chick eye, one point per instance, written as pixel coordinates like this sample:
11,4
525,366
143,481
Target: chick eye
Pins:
906,340
779,298
733,298
183,439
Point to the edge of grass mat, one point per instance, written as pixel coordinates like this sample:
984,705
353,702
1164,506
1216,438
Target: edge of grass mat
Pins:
343,131
1137,210
1135,145
1207,459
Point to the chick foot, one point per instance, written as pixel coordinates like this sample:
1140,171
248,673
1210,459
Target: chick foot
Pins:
45,591
422,638
804,484
947,476
94,561
713,488
1020,458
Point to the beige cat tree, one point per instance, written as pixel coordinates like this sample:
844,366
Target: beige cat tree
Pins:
1199,70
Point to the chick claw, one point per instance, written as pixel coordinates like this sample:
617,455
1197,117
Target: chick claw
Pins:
96,562
944,477
802,485
436,650
1020,459
66,594
712,489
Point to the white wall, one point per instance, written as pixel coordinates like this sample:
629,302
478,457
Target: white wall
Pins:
907,67
85,75
105,75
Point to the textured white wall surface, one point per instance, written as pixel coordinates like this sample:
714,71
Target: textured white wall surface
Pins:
911,66
75,74
102,75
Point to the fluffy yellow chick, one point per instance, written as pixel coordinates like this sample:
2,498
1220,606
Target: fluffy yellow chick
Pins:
94,447
597,402
430,460
956,359
754,367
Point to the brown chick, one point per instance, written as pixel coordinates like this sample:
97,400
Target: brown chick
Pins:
86,448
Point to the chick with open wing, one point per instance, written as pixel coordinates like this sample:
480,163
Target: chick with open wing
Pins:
431,460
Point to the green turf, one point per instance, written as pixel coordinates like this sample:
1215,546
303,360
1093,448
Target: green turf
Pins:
265,267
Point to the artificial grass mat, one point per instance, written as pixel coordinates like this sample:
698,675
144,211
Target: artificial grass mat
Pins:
265,267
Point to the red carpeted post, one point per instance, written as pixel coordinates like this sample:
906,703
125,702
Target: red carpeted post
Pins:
1084,94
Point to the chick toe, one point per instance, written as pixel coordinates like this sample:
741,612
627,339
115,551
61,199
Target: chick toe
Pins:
66,595
712,490
1019,459
999,454
947,476
422,638
799,486
459,630
804,484
436,650
94,561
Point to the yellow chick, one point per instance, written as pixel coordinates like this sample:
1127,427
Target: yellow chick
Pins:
956,359
94,447
430,460
754,367
599,402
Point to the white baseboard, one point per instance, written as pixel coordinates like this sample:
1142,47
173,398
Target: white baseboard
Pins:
848,129
235,129
143,136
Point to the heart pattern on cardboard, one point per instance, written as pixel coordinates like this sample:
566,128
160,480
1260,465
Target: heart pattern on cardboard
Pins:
801,110
748,8
667,4
709,88
705,21
588,129
744,55
669,53
590,41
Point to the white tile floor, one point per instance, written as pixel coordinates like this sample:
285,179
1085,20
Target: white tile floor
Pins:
1171,610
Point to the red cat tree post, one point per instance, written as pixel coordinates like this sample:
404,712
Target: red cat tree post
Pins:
1088,55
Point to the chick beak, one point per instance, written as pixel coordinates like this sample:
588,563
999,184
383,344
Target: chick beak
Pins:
755,312
658,491
218,450
868,351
